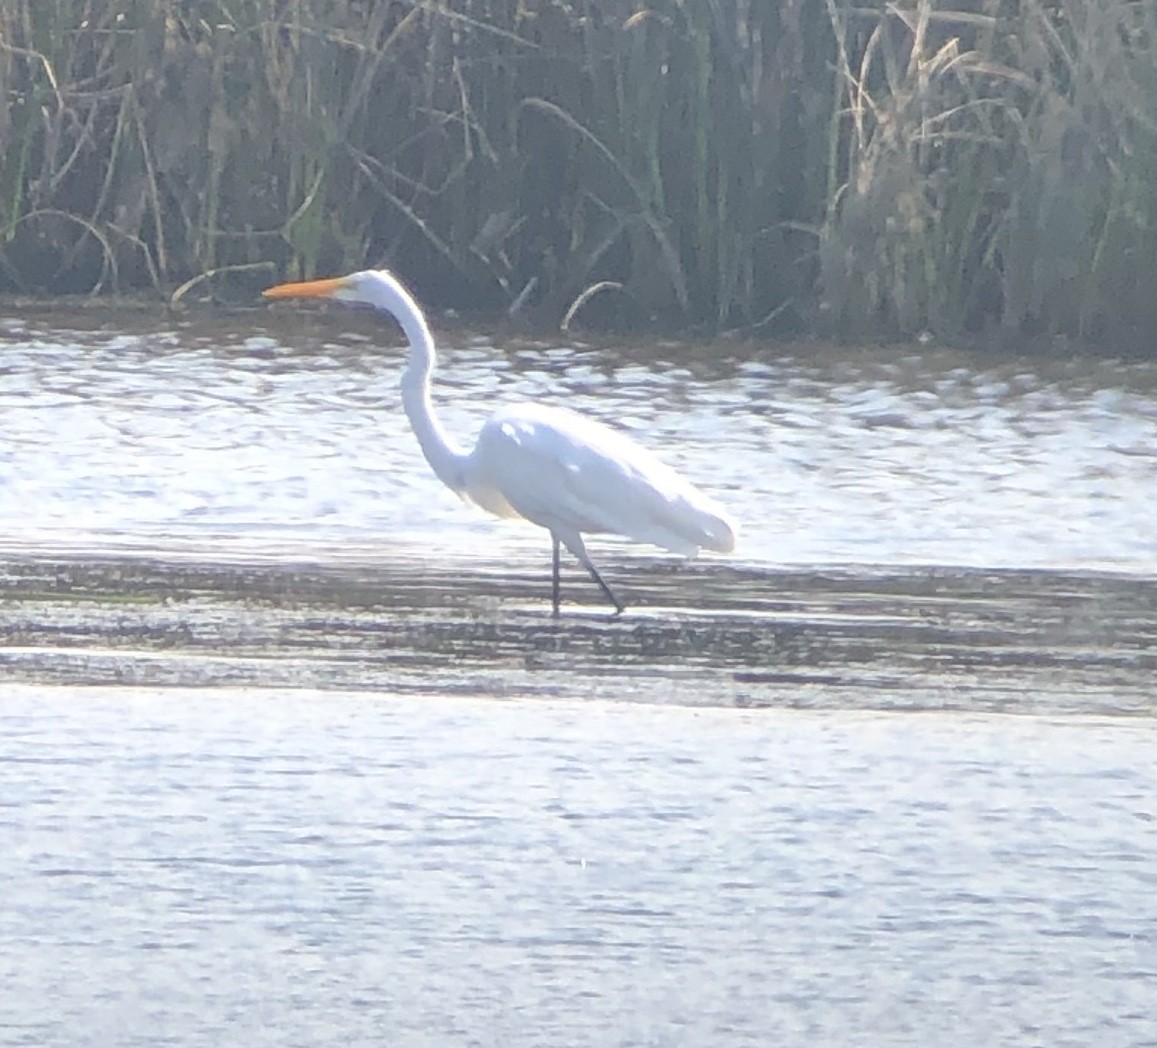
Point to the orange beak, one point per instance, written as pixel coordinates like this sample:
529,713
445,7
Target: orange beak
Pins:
306,289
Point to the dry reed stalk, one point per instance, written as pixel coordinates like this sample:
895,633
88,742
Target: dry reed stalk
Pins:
729,164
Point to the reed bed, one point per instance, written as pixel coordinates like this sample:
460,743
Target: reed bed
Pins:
863,171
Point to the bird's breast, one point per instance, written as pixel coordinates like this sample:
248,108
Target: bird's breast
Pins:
486,496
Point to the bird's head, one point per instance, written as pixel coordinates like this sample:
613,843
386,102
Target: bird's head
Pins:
371,287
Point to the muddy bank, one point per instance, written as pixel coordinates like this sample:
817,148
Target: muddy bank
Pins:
704,634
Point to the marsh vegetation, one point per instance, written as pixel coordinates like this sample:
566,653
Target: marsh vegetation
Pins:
871,171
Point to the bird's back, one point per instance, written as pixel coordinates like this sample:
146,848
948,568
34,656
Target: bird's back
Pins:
566,472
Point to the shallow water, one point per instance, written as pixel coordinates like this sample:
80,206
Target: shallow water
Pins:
709,634
291,751
287,428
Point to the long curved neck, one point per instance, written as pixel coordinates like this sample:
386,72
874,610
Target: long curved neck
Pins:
446,459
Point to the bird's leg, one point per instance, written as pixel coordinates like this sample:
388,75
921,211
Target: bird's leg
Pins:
620,607
573,541
579,550
554,576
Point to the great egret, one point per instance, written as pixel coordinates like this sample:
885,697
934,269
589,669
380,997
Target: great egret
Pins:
548,465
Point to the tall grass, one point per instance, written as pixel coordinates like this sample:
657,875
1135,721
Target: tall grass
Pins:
995,172
869,171
1080,231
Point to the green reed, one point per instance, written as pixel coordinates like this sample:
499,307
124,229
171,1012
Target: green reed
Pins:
872,171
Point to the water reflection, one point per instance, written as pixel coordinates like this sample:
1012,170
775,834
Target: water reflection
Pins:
893,640
277,427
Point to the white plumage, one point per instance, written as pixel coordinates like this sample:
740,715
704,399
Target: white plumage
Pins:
549,465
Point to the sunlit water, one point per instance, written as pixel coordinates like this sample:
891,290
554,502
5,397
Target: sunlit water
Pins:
295,433
294,864
281,868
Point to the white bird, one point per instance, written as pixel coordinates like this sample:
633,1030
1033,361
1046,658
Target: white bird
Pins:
548,465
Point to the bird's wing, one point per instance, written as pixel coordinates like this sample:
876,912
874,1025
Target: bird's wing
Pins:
566,472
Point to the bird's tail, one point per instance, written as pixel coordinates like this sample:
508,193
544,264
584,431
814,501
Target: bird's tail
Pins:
718,533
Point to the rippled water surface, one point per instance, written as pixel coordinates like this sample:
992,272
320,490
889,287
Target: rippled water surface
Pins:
301,868
292,752
233,426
